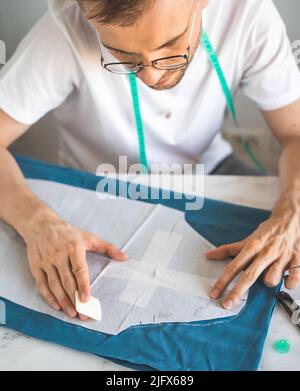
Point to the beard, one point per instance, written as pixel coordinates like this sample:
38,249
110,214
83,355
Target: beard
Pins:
172,78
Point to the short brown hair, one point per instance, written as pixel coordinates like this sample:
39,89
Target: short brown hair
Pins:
118,12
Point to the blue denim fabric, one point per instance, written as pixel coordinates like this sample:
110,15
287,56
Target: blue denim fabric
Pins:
235,343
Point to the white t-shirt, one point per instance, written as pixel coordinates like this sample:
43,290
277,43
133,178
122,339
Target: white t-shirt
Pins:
57,66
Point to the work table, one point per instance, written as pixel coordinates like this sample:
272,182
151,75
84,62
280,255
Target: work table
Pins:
19,352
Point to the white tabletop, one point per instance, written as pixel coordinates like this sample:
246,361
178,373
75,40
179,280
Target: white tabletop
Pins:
19,352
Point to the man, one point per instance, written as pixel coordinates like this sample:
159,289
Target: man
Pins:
57,67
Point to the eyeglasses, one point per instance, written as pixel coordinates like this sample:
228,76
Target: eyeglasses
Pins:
165,64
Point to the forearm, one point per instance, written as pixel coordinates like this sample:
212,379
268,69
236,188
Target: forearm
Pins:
289,171
289,167
18,205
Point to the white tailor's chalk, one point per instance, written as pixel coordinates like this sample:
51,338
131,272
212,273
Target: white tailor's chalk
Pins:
92,308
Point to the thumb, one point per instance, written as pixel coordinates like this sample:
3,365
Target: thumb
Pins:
95,244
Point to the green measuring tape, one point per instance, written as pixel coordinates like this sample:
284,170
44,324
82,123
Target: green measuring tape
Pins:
216,64
139,122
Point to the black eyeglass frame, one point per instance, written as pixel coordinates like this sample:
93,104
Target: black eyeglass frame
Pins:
138,66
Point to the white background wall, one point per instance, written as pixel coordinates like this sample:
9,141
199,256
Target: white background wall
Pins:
290,11
17,17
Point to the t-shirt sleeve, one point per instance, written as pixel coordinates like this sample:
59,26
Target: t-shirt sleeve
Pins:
40,75
270,74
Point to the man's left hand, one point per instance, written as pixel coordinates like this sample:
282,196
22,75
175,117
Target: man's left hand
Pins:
272,249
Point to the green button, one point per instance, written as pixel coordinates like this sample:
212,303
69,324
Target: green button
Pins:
282,346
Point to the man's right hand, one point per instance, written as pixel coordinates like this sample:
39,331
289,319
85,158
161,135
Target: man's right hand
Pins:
56,253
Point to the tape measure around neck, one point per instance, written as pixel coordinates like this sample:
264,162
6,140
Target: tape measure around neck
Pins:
139,122
212,55
225,88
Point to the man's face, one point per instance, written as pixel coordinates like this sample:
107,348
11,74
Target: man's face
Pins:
164,30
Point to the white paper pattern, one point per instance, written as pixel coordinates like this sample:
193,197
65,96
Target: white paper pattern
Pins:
166,279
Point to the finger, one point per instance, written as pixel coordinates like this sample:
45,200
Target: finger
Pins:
95,244
80,271
67,279
225,251
232,269
276,271
83,317
248,278
114,253
293,278
57,289
42,283
69,284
